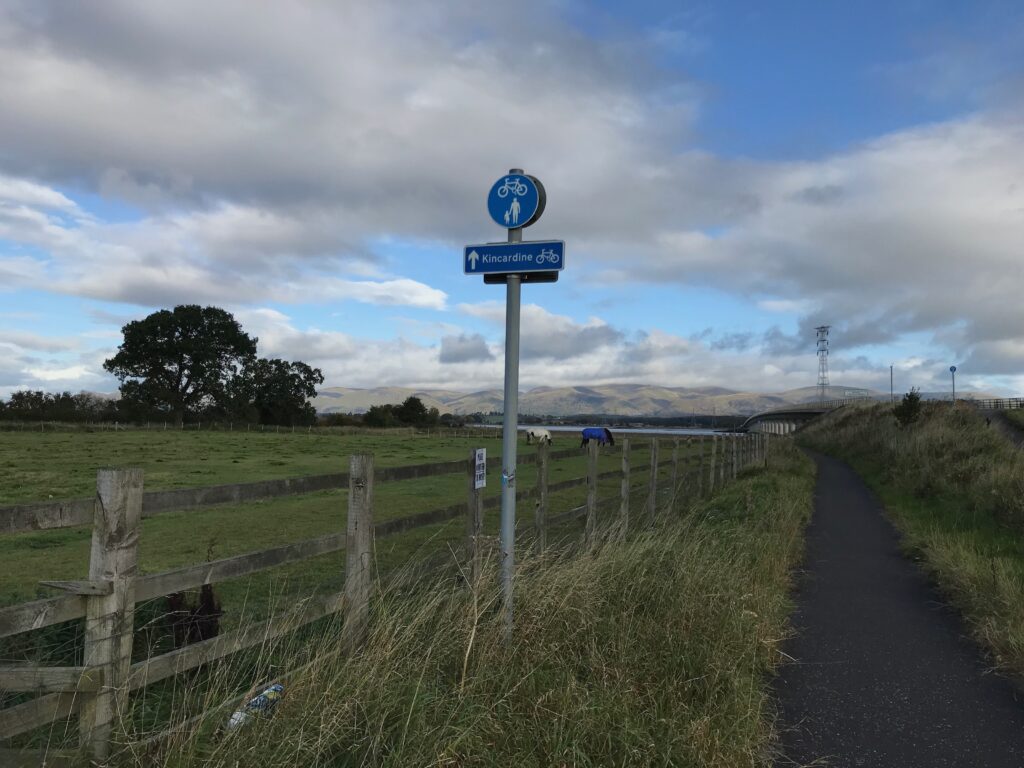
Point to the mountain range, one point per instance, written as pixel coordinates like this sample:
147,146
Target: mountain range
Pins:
618,399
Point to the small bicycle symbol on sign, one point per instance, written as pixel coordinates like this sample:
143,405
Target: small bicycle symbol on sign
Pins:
547,255
513,185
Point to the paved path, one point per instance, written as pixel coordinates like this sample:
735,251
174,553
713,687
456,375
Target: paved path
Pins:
1010,429
883,674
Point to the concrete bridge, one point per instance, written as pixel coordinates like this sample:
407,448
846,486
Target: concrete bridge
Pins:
784,421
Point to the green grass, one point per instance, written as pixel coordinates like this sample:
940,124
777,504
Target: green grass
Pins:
955,488
40,465
1015,416
653,651
189,459
179,539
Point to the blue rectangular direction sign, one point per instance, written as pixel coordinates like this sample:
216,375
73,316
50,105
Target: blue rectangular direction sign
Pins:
514,258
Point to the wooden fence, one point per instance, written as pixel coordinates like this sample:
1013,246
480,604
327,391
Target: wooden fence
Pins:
998,403
97,690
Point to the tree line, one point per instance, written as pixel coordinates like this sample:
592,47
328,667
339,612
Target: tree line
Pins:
185,364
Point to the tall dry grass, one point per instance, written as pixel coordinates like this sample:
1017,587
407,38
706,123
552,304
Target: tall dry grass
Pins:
955,487
650,651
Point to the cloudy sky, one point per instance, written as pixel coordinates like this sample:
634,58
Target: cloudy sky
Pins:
726,175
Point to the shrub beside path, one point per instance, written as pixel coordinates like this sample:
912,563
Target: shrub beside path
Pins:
883,674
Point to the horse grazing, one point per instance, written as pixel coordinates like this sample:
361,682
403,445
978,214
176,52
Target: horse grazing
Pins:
601,434
538,436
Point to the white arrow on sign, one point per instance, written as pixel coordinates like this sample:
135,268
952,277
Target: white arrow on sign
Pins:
472,258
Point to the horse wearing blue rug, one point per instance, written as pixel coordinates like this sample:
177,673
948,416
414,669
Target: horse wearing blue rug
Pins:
601,434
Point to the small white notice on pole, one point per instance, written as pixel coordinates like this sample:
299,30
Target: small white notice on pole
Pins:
480,474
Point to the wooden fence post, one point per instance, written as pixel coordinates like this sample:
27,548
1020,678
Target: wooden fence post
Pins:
624,490
733,440
721,463
675,476
358,552
591,523
540,514
700,467
474,520
110,617
652,491
711,465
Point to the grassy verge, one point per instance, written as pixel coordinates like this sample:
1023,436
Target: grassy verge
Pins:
1015,416
955,488
652,651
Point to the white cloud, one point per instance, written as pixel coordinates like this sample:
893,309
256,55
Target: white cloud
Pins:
656,357
788,306
544,334
464,347
24,192
74,373
29,341
269,149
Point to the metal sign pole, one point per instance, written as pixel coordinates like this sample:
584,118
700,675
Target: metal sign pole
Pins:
510,433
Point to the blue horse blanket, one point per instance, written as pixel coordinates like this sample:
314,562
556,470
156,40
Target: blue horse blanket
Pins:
600,434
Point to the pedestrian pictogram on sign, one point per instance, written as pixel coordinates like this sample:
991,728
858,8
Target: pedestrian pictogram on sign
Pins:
515,200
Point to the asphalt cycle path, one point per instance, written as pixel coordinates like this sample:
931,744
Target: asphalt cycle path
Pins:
882,672
1011,430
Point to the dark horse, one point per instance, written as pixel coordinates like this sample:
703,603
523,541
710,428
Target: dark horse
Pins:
601,434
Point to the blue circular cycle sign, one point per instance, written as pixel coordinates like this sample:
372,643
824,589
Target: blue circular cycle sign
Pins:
514,201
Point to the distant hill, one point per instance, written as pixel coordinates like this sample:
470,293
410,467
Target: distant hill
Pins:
619,399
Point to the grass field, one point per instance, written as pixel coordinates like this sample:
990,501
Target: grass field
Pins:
955,488
65,464
39,465
59,465
652,652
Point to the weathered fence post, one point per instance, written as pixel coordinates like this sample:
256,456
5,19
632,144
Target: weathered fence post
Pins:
721,463
591,523
540,514
110,617
700,467
711,465
474,520
624,489
652,491
675,476
733,439
358,552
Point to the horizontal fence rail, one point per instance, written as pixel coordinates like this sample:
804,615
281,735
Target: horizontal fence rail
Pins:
50,515
95,691
999,403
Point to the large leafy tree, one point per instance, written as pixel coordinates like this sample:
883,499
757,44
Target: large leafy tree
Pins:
281,391
182,359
